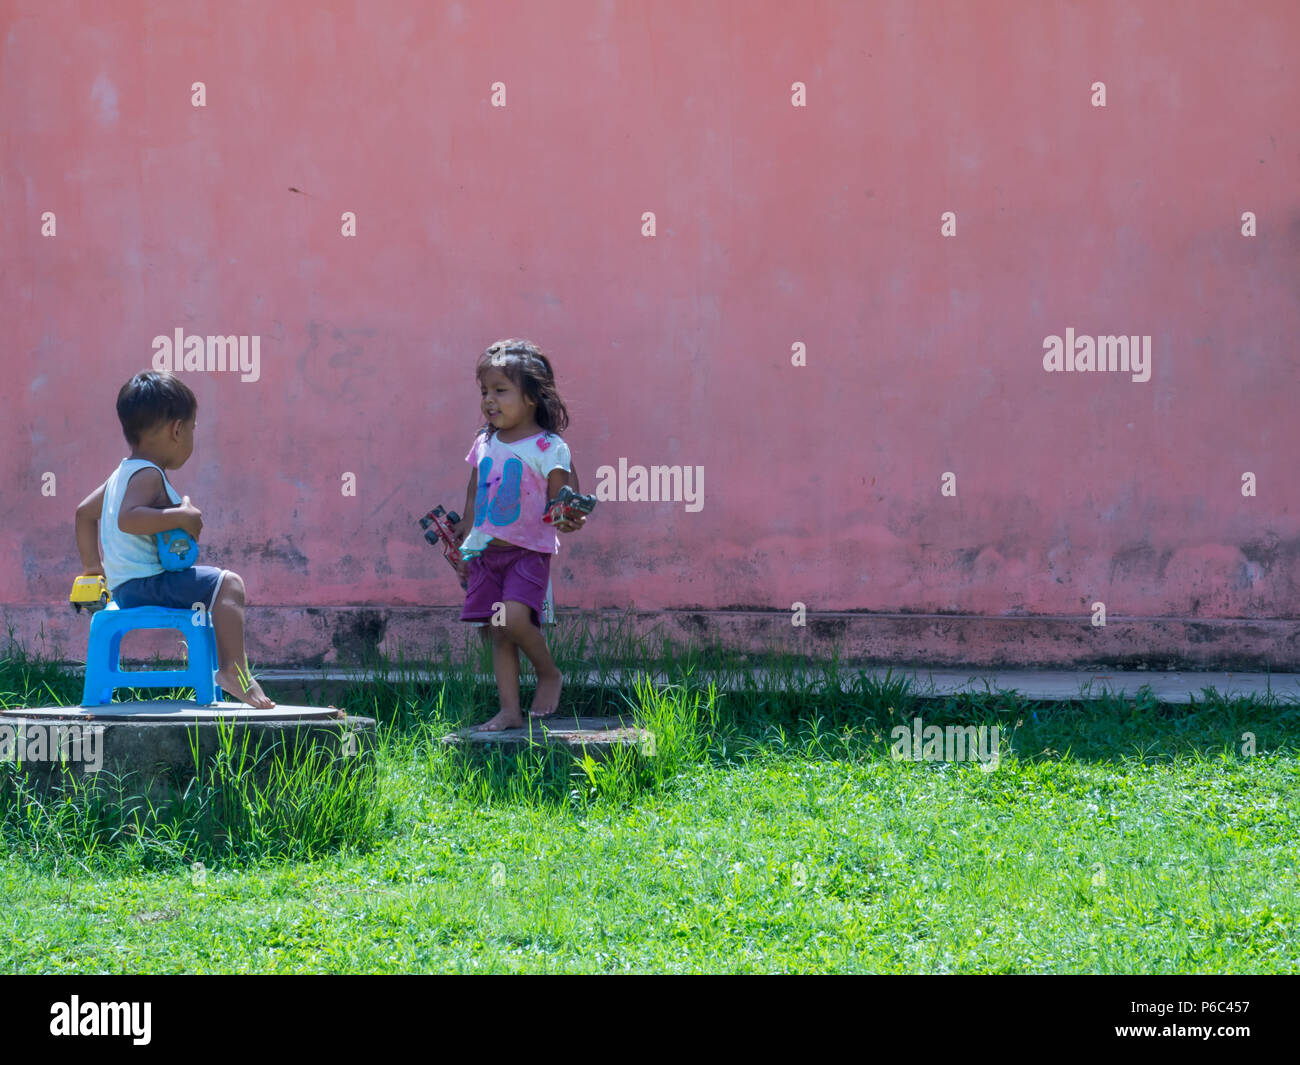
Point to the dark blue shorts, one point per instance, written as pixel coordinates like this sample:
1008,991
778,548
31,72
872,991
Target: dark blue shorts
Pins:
178,589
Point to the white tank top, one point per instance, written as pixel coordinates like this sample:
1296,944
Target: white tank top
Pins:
127,555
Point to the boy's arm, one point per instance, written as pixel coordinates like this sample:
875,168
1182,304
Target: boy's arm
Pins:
146,509
88,512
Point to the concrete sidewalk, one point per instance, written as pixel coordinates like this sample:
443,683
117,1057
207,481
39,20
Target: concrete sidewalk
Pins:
1046,685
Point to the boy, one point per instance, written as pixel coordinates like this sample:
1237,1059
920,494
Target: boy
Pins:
158,413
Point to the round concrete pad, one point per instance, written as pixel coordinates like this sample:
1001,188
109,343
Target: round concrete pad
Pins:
177,710
157,750
597,735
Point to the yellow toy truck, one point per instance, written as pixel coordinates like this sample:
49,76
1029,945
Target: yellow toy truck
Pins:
91,593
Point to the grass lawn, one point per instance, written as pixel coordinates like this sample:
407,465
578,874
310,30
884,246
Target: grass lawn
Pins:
768,832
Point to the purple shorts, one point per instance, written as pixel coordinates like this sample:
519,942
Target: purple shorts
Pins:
500,574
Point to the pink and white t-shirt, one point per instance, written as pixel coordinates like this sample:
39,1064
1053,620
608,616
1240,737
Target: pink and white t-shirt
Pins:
511,497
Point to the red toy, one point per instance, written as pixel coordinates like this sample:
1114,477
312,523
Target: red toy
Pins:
441,534
568,506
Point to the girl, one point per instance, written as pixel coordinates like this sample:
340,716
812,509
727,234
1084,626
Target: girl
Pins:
518,463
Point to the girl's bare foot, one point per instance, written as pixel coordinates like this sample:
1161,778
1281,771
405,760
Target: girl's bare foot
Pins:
253,695
546,700
505,719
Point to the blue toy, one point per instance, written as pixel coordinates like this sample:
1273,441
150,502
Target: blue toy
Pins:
177,549
104,671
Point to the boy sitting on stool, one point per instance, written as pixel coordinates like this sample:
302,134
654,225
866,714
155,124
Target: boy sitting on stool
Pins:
158,413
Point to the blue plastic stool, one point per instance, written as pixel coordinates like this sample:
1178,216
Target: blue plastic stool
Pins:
104,655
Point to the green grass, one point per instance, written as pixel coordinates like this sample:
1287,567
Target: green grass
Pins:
767,832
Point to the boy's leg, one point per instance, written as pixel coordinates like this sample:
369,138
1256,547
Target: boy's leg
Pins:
228,620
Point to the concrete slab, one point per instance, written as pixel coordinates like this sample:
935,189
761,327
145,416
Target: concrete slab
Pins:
597,735
1047,685
1070,685
155,750
178,710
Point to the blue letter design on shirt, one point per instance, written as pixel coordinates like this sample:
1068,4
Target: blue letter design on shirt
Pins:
505,504
480,497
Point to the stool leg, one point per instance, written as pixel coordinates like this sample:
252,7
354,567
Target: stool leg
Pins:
218,696
103,659
90,689
115,678
200,663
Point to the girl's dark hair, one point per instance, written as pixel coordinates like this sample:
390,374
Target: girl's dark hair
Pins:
528,367
152,397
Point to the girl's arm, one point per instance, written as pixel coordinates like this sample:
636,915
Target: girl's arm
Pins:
557,480
467,515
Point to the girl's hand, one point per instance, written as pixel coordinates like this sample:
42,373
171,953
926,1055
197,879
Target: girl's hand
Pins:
571,524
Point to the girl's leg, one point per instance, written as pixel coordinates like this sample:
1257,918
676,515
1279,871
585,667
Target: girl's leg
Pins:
507,640
505,662
519,627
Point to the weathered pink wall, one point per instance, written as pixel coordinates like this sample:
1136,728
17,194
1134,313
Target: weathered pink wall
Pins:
776,225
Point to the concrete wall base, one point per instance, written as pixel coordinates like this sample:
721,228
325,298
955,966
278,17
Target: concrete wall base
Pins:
312,637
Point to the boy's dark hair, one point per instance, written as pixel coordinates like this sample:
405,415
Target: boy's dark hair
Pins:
152,397
528,367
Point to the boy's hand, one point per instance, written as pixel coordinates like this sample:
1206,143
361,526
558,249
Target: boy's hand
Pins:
191,518
93,571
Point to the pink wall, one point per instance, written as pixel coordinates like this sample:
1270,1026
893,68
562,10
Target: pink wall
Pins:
776,225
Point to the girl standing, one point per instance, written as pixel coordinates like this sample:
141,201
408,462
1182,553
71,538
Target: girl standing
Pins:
518,462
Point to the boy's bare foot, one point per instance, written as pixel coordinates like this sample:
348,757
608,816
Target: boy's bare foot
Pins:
253,695
546,700
505,719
